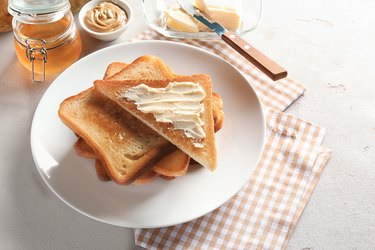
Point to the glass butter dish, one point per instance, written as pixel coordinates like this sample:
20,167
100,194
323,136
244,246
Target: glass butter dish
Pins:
154,13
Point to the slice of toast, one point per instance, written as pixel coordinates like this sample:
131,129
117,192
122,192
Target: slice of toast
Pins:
217,111
126,147
206,155
173,165
145,67
101,172
146,178
160,71
84,150
114,68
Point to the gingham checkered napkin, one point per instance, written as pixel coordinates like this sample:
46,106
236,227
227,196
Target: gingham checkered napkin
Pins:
264,213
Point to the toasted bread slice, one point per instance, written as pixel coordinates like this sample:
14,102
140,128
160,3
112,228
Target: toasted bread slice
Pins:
145,67
160,71
206,155
81,147
146,178
101,172
114,68
84,150
217,111
173,165
126,147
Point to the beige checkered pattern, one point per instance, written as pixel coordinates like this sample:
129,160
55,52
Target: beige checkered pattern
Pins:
264,213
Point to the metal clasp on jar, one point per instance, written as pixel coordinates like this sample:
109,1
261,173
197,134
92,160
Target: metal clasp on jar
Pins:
36,52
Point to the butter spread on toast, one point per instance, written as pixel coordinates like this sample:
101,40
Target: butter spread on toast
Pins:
179,103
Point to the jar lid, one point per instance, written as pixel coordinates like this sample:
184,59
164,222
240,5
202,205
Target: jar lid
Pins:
38,10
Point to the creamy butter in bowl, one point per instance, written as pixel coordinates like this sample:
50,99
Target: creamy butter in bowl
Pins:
105,20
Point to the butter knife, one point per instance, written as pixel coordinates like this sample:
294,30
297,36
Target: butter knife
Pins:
261,61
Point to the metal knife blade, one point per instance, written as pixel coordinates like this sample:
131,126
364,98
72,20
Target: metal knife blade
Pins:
192,10
262,62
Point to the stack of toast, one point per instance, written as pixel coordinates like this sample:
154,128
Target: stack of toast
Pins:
128,145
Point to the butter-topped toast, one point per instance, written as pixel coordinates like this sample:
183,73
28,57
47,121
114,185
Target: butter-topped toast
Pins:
163,169
196,141
145,67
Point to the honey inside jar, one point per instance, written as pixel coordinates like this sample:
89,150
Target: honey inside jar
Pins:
47,48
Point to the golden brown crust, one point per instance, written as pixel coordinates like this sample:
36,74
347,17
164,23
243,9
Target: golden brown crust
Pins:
206,155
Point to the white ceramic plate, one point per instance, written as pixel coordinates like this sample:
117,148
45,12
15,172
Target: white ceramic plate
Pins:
162,203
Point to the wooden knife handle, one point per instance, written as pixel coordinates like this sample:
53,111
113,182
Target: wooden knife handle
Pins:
262,62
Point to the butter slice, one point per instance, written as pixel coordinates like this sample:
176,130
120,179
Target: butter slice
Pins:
178,20
225,12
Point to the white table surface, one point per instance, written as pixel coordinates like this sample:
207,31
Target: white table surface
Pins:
329,46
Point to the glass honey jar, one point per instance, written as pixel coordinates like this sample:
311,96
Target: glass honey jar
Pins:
46,39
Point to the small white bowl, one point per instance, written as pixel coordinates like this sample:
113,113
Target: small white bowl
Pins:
105,36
